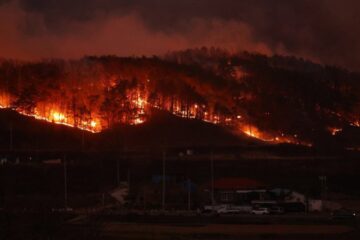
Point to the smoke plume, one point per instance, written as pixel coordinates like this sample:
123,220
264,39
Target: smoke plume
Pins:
325,31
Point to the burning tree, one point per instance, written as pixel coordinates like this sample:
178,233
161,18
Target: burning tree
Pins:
275,99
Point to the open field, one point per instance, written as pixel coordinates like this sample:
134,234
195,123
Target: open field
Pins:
222,231
95,227
64,226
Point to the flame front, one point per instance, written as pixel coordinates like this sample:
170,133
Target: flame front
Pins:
253,131
58,117
94,94
4,100
138,115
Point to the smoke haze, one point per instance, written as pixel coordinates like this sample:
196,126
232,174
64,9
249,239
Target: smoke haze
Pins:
325,31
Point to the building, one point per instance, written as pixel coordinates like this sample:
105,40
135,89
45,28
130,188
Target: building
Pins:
239,191
249,192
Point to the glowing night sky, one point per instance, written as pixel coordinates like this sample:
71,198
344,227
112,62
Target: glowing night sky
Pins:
326,31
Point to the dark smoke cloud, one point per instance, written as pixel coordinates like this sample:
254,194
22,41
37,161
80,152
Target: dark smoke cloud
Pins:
324,30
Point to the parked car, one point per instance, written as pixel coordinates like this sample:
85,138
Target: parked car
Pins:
214,207
343,214
208,212
62,210
260,211
276,210
292,207
228,210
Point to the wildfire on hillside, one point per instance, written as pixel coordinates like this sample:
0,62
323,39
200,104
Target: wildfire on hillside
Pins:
254,132
97,93
139,113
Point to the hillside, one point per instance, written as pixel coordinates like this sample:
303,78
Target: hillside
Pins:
162,130
276,99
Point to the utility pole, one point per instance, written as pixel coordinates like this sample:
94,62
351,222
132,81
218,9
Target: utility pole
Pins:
189,193
11,137
323,182
103,200
163,180
128,180
188,153
212,179
117,172
65,185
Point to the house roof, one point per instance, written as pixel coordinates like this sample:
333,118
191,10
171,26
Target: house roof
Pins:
237,183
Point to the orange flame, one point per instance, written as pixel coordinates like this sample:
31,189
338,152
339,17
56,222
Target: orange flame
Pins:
334,131
52,112
356,123
252,131
4,101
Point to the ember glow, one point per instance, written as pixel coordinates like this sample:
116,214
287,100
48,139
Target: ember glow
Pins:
334,131
253,131
356,123
4,100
